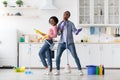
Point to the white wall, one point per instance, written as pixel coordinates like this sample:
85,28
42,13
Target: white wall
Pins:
26,25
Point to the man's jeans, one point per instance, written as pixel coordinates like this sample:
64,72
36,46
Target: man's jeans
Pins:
61,48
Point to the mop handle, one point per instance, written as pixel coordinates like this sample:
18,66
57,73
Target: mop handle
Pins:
67,48
67,53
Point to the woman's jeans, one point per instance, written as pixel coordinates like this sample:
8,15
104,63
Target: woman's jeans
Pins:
61,48
45,52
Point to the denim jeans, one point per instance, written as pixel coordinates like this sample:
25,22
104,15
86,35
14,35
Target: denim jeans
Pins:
45,52
61,48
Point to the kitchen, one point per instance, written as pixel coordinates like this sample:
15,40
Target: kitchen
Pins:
96,44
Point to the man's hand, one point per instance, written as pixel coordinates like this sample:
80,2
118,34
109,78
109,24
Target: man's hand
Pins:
79,30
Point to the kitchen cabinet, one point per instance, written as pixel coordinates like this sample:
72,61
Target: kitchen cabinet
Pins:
29,52
107,55
94,54
116,55
89,54
99,12
25,49
83,54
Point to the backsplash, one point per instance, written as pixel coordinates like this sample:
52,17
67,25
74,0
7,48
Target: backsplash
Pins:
99,34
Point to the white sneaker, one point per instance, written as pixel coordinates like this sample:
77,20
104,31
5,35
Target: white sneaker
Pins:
48,72
80,73
57,72
67,69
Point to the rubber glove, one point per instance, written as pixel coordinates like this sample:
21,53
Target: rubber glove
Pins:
45,37
62,27
39,32
79,30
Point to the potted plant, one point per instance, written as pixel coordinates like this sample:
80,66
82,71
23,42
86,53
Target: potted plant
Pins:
19,3
5,3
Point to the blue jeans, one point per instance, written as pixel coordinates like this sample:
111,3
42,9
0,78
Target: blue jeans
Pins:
46,52
61,48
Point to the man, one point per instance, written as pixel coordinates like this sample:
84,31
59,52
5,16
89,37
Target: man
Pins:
65,29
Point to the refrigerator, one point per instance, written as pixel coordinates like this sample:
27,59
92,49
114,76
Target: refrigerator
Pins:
8,47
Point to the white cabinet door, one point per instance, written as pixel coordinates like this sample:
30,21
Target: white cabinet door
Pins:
95,55
116,55
23,55
107,56
28,55
83,53
35,59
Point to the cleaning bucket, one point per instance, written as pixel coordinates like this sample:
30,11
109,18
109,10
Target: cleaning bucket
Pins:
91,69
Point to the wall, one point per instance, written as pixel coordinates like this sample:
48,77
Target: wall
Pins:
26,25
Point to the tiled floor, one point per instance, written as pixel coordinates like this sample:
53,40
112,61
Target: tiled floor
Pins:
38,75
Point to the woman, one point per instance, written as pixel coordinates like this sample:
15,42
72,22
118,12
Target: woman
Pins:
45,50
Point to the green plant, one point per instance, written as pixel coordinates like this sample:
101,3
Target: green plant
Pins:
19,3
5,3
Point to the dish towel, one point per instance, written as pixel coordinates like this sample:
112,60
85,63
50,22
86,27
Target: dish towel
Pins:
108,30
92,30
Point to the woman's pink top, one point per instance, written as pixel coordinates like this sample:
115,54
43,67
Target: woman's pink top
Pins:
52,32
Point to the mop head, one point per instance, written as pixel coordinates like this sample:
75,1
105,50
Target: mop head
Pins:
67,69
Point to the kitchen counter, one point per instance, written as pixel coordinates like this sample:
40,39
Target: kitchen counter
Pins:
75,43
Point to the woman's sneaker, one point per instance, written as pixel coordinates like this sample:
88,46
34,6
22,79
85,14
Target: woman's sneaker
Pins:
57,72
48,72
80,73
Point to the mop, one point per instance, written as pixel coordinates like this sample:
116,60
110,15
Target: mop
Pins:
67,67
29,63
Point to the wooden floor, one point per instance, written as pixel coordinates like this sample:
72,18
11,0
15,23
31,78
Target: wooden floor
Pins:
38,74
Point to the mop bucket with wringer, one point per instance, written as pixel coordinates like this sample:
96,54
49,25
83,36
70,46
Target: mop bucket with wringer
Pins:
91,70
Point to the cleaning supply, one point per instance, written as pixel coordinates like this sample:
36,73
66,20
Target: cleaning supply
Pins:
91,70
38,31
67,68
44,36
19,69
22,39
97,70
100,70
103,70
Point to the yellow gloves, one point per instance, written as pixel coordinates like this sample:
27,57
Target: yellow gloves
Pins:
45,36
38,32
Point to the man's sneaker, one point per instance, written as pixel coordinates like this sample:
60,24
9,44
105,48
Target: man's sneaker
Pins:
67,69
57,72
80,73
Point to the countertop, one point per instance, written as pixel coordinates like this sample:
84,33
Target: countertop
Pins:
75,42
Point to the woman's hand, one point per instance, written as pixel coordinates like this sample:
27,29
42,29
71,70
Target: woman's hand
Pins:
39,32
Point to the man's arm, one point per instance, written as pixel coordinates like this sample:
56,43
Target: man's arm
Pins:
76,31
